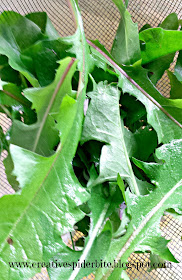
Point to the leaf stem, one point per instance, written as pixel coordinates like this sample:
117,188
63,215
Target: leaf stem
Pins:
23,80
115,65
6,111
91,241
73,245
16,98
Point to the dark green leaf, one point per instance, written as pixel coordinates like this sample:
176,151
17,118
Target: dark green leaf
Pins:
9,167
174,107
17,33
44,57
42,20
146,140
171,22
157,67
176,87
126,46
7,73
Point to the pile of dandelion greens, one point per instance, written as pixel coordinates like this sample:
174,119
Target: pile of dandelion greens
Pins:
93,145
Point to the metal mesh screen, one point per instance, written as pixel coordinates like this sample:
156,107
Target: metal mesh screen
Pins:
101,19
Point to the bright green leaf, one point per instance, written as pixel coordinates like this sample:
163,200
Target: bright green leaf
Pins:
143,233
178,67
159,42
42,137
48,204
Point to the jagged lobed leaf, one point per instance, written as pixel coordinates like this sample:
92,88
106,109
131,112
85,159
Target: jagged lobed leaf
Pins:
103,123
126,43
47,206
139,75
159,121
98,241
51,193
42,137
156,118
156,37
44,58
143,232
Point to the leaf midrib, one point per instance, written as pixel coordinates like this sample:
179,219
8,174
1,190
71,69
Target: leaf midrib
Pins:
137,231
137,192
60,147
37,138
30,202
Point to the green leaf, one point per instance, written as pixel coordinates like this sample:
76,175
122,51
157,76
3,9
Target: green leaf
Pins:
11,95
103,123
155,259
47,212
42,20
79,45
178,67
121,186
3,142
44,57
16,34
143,233
126,46
159,42
42,137
7,73
48,204
139,75
160,121
97,244
146,140
157,67
171,22
9,167
176,86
